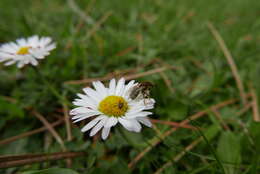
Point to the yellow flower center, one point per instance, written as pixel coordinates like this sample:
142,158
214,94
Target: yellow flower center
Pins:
23,50
113,106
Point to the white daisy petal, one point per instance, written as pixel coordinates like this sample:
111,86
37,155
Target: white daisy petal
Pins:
21,42
26,59
10,62
98,127
34,62
100,88
82,96
126,123
136,108
9,47
112,87
85,103
21,64
5,55
145,121
88,102
2,59
112,121
93,94
13,45
37,54
80,110
136,125
83,117
92,123
105,132
50,47
120,87
45,41
33,40
138,114
79,102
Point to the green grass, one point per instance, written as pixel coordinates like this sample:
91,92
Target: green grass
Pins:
173,31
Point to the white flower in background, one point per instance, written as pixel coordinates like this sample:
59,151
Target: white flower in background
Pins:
26,51
110,106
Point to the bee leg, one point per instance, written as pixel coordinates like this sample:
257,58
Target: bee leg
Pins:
145,98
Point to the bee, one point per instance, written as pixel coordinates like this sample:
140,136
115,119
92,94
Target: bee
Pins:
120,105
141,90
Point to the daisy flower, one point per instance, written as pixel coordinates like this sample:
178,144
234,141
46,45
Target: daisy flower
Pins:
26,51
111,105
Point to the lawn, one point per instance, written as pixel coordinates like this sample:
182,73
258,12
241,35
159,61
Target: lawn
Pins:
202,58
